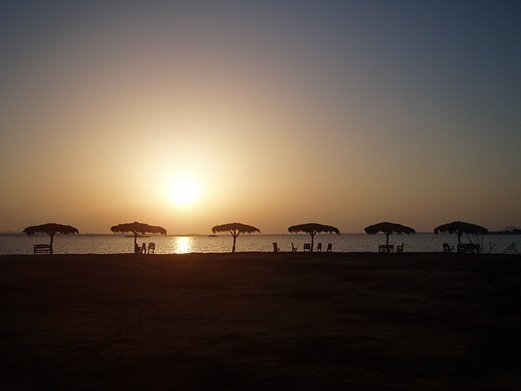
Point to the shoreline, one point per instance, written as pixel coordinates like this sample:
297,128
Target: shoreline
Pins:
195,235
287,255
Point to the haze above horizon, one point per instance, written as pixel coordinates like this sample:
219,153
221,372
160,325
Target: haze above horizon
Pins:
192,114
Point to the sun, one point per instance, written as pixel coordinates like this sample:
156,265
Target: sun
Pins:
184,192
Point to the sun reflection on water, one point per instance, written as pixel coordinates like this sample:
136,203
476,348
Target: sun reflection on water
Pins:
183,245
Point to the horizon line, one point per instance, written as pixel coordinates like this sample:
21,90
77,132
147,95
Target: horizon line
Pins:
15,233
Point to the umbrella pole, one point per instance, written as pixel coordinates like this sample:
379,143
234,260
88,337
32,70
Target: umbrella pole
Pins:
135,242
459,239
234,234
387,242
52,238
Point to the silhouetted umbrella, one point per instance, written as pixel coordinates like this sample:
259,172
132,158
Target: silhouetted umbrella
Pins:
459,228
313,229
388,228
51,229
138,229
235,230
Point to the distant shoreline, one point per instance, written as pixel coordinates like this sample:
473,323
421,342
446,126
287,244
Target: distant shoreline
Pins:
516,232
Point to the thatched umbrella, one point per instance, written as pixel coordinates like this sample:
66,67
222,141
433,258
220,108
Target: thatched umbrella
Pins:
138,229
313,229
51,229
388,228
459,228
235,230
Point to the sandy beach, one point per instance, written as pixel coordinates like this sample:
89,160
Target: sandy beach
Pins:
260,321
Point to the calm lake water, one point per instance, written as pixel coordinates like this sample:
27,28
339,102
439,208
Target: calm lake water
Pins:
115,244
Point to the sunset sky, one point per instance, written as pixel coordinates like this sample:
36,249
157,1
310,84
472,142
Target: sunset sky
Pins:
269,113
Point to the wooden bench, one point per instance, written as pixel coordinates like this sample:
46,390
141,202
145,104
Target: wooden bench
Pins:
468,248
41,249
386,248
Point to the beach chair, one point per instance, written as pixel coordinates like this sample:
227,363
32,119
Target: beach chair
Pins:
329,247
477,248
293,248
399,248
447,248
276,248
307,247
319,247
151,248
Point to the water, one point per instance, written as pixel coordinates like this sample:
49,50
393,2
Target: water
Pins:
114,244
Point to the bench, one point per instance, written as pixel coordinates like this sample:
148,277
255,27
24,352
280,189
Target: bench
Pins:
307,246
468,248
386,248
41,249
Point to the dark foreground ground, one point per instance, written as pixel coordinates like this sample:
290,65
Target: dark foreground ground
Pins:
260,321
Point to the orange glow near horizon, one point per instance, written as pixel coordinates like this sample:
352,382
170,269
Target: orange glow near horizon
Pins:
192,117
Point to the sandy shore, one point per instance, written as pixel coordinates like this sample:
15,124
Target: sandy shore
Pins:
260,321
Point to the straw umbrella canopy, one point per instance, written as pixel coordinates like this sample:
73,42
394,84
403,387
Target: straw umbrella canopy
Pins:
459,228
51,229
235,230
312,229
388,228
138,229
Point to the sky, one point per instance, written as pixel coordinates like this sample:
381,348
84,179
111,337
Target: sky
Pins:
271,113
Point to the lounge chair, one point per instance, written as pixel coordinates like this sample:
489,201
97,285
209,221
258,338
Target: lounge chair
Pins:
276,248
447,248
319,247
307,247
293,248
151,248
399,248
329,247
